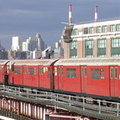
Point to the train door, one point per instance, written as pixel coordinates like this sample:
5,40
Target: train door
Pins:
84,78
24,74
60,77
114,80
11,73
4,72
41,76
51,77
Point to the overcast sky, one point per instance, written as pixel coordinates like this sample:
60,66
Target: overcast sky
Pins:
25,18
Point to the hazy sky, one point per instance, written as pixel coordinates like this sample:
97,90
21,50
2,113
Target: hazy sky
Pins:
25,18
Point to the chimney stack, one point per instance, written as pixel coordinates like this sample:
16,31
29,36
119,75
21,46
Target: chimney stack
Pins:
70,15
96,13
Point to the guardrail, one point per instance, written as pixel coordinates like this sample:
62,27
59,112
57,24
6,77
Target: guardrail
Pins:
100,20
77,104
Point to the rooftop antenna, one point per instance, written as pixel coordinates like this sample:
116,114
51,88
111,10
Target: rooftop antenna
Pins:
96,13
70,15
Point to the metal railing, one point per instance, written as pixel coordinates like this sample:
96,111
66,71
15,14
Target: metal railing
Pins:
76,102
100,20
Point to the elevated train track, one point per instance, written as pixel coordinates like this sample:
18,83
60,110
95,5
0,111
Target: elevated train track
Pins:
96,108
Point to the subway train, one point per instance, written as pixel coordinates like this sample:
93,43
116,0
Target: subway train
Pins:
89,77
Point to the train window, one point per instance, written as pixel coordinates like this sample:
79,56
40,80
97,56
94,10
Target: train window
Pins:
111,72
71,73
97,74
17,70
60,71
24,70
83,71
31,71
41,70
116,73
48,72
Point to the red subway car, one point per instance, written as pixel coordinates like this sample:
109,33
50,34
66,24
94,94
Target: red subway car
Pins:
94,77
88,76
33,73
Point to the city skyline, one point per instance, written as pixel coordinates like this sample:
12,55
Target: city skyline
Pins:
26,18
18,38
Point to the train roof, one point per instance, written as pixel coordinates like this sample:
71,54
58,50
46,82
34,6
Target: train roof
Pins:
89,61
3,62
34,62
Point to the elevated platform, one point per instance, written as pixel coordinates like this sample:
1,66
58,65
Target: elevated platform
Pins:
26,99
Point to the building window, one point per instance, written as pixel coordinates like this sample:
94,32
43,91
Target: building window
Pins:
101,48
71,73
115,44
98,29
91,30
118,27
85,30
73,49
89,48
112,28
75,31
104,29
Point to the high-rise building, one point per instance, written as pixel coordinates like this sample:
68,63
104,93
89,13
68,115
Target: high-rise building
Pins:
34,43
24,46
40,43
16,44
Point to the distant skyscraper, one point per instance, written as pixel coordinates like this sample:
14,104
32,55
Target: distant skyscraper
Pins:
16,45
40,43
34,43
24,46
38,39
